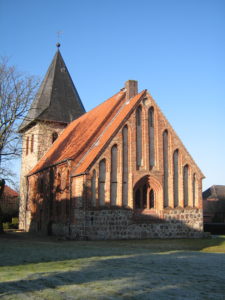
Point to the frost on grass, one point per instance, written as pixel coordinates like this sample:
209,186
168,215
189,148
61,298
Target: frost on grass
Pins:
117,270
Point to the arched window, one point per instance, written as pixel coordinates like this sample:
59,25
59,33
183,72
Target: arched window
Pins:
175,178
151,137
32,143
93,188
54,136
113,177
59,182
27,145
193,189
138,137
185,185
102,174
151,199
165,168
125,166
67,189
137,199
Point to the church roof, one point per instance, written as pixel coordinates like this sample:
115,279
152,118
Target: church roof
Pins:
57,98
214,192
85,137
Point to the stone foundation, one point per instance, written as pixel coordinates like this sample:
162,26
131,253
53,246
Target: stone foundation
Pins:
113,224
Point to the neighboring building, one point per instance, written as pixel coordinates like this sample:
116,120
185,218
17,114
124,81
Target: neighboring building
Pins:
116,172
214,204
9,202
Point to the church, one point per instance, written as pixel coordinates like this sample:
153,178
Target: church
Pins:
118,171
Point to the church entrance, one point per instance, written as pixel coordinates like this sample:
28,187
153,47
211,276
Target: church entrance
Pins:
144,195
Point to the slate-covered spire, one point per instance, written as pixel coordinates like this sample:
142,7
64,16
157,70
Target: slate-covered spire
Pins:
57,98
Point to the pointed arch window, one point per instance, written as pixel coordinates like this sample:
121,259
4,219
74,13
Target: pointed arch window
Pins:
165,168
175,178
139,137
67,189
93,188
185,185
32,144
113,177
27,145
54,136
125,166
102,175
194,189
151,137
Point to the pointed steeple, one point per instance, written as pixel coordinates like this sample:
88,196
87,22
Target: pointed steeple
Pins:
57,99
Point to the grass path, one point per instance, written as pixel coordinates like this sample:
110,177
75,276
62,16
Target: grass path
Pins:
42,268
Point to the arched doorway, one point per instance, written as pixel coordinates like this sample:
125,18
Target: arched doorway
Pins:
144,194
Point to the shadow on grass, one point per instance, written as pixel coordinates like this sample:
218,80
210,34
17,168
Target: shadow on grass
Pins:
23,248
148,274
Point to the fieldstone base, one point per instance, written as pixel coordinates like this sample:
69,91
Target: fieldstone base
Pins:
112,224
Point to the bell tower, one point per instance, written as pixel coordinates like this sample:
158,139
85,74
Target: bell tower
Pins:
56,104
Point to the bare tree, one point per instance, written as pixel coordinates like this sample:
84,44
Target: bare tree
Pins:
16,94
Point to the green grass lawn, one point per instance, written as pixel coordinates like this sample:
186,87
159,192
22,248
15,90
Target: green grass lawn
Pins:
47,268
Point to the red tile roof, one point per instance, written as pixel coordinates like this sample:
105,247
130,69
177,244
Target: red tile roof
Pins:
84,137
8,192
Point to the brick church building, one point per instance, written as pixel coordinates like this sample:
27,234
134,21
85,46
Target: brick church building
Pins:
118,171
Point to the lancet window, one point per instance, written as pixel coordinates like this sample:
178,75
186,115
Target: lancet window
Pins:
151,137
194,189
27,145
125,166
113,177
175,178
54,136
93,188
139,137
185,185
102,175
165,168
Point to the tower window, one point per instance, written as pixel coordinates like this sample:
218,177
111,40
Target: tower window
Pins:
32,143
27,145
54,136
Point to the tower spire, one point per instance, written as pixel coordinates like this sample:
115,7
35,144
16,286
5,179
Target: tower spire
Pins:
57,99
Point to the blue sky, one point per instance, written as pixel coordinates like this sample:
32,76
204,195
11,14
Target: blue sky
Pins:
174,48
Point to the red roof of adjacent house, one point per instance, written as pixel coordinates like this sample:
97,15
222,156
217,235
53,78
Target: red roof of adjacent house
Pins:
8,192
85,137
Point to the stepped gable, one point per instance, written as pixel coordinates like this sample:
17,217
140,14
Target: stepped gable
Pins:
57,99
84,138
